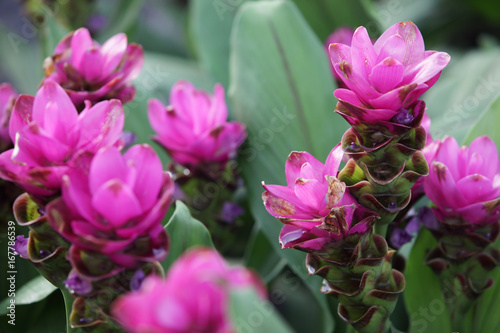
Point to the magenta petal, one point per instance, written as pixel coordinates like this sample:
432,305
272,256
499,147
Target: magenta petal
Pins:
347,95
393,47
441,189
106,165
92,65
310,192
21,115
339,53
448,154
132,65
149,173
333,161
80,43
112,51
386,75
54,152
360,228
54,111
476,188
290,234
485,147
116,202
363,54
428,68
294,164
217,113
101,125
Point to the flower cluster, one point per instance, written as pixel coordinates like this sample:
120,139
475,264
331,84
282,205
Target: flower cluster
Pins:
194,297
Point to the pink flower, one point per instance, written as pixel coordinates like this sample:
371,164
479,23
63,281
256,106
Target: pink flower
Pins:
194,128
341,35
465,182
194,297
388,76
50,135
115,207
7,98
88,71
315,207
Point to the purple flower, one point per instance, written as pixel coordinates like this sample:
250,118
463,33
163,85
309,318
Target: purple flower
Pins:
137,279
314,206
384,77
7,98
194,128
50,136
21,246
230,211
464,182
76,284
115,207
89,71
194,297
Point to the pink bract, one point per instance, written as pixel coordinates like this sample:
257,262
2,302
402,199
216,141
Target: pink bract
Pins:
194,297
387,76
464,182
314,203
7,98
89,71
110,205
341,35
194,127
50,135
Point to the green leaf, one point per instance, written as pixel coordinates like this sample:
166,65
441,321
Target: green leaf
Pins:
210,24
124,16
291,109
324,16
487,124
253,314
261,256
463,92
32,292
423,293
52,33
184,232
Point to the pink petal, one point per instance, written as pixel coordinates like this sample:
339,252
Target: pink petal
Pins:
54,111
172,131
310,192
333,161
185,102
229,140
386,75
348,96
75,192
116,202
394,47
428,68
441,189
35,140
363,54
217,113
294,164
355,82
132,64
107,164
280,201
448,154
80,43
486,148
339,53
408,31
21,115
101,125
92,65
113,51
291,235
476,188
149,175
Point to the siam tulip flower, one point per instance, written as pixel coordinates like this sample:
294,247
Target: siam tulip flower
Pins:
50,136
314,206
7,98
194,128
341,35
464,182
115,208
88,71
194,297
386,78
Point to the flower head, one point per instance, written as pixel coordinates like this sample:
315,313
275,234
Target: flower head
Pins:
314,205
89,71
50,136
388,76
194,128
194,297
341,35
115,207
7,98
464,182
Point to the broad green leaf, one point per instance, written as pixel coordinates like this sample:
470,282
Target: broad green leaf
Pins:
124,16
487,124
184,232
464,90
281,88
423,293
210,24
261,256
34,291
253,314
324,16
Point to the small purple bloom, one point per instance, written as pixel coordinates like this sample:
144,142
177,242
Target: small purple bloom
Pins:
230,211
128,138
77,285
136,281
400,237
21,246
